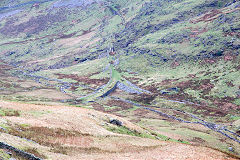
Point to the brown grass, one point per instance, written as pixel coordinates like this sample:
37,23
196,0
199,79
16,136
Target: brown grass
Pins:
35,152
53,138
45,93
58,131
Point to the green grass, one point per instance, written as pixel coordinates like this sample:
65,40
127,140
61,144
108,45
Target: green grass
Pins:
39,113
172,40
133,108
125,130
5,126
9,112
107,108
237,101
234,118
115,74
4,155
152,135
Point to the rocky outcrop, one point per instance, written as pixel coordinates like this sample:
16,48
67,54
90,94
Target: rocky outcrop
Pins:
18,152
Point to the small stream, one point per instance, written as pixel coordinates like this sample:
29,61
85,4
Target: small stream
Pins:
215,127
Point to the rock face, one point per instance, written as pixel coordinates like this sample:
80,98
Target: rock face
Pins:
18,152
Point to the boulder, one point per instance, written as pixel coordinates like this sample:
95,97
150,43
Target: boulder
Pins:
116,122
231,149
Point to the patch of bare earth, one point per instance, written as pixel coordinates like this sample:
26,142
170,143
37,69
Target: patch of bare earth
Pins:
75,40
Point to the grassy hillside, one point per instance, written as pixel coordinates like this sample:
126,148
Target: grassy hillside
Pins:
42,131
158,63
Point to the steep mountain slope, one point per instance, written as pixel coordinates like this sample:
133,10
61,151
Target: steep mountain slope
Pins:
171,67
63,132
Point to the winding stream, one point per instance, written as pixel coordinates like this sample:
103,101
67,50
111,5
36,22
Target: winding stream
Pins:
215,127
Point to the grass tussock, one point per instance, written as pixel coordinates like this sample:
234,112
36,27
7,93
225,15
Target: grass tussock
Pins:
9,112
